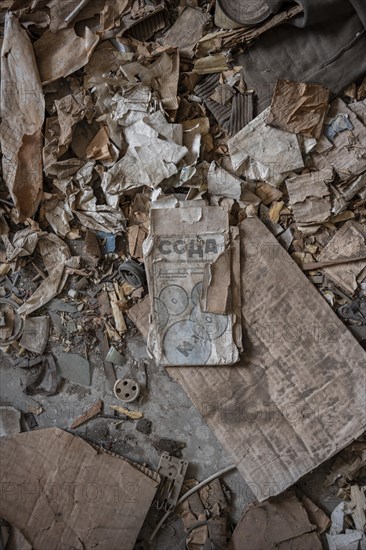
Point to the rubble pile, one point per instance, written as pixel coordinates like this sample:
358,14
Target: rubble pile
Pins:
193,171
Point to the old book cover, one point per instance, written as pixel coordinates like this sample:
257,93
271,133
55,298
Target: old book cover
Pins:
188,259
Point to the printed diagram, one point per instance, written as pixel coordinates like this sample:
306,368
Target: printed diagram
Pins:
189,332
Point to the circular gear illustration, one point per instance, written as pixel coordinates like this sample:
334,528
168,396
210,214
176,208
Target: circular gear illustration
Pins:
209,325
161,313
182,346
196,293
175,299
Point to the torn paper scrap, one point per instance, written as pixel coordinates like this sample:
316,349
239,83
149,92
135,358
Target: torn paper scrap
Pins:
349,241
150,158
278,412
278,150
78,496
345,541
309,197
299,108
223,184
187,250
22,112
62,53
337,519
79,199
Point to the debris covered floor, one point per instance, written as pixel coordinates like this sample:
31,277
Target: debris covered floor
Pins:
182,275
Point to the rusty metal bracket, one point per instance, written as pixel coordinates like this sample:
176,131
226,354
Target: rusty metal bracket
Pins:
172,471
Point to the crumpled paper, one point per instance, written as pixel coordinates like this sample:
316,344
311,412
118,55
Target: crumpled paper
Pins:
57,258
22,111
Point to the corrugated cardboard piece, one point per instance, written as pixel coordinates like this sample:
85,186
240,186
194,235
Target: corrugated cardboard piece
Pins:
298,395
188,258
63,493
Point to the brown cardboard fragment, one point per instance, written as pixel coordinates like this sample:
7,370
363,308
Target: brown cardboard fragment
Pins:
216,284
139,315
216,63
297,396
22,113
222,94
242,112
144,20
182,246
77,496
281,522
231,109
315,514
100,147
205,89
299,108
136,236
349,241
62,53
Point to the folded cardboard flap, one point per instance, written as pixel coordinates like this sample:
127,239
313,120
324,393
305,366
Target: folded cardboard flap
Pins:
297,396
63,493
188,259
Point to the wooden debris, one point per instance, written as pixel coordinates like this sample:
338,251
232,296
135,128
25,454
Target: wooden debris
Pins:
93,411
134,415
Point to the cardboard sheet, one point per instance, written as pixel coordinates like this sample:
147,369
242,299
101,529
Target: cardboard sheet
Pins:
298,395
63,493
188,258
